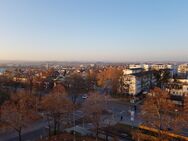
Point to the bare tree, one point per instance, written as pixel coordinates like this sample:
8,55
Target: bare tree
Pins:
30,82
56,108
109,78
93,108
75,85
160,113
91,80
4,96
185,110
18,112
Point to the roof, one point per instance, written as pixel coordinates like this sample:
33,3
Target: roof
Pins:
159,64
136,69
140,74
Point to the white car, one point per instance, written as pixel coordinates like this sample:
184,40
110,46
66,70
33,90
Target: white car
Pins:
85,96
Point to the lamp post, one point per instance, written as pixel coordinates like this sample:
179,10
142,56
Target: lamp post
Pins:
132,118
132,111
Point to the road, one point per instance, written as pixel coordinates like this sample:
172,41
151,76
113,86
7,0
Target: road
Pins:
120,114
36,130
31,133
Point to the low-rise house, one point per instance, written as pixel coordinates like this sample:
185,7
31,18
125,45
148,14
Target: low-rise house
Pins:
20,79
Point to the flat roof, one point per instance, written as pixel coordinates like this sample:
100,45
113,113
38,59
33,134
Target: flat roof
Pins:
142,73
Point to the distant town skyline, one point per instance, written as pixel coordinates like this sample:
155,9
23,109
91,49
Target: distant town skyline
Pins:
94,30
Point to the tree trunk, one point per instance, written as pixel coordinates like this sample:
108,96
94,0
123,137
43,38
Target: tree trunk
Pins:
0,114
49,130
106,136
55,127
20,135
58,127
97,134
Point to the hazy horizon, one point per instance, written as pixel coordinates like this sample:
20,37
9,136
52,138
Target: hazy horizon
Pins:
77,61
98,30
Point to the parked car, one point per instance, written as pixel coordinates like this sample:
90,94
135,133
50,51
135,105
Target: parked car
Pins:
85,96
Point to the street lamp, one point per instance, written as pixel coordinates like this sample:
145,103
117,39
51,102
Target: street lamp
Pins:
132,110
132,117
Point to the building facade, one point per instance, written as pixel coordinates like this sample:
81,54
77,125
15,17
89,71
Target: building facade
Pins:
137,81
178,91
183,68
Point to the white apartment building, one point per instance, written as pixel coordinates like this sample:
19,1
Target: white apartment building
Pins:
183,68
161,66
134,66
146,67
132,71
132,84
178,91
2,70
136,81
170,67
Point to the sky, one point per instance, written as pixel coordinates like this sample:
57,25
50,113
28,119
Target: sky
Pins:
94,30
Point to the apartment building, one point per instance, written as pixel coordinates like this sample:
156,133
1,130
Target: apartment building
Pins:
132,71
137,81
161,66
146,67
134,66
178,91
183,68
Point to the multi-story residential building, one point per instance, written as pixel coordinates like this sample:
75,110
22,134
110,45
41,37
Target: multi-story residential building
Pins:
134,66
161,66
132,85
184,81
177,90
138,81
146,67
183,68
132,71
2,70
170,67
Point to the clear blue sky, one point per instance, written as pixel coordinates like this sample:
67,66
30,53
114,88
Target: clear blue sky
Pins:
94,30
